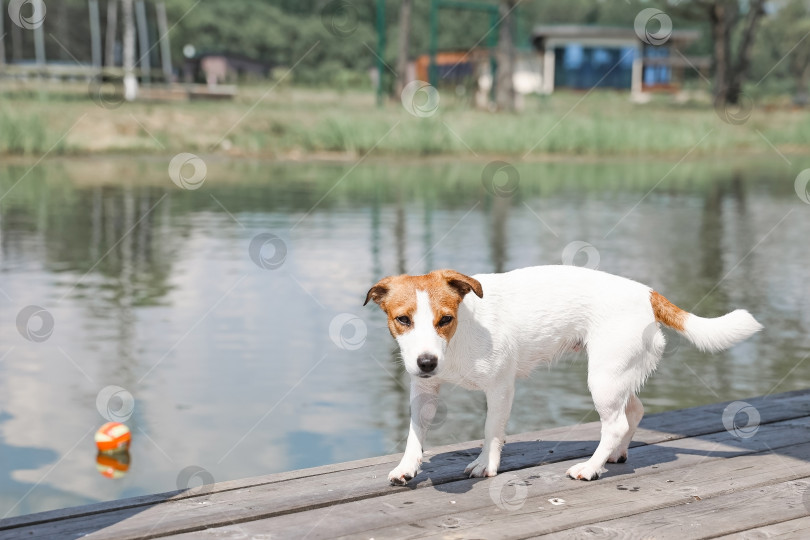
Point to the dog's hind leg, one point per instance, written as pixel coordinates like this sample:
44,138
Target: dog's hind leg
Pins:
614,429
634,412
613,378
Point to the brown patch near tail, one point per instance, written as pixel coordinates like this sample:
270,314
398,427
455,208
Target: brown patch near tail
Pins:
667,313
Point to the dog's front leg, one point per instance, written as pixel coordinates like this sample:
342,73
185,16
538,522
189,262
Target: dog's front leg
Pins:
424,402
499,406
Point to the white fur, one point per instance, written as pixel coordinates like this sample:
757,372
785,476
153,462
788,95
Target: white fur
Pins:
531,316
713,335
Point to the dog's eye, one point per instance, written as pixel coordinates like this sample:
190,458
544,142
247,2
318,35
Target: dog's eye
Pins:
404,320
444,321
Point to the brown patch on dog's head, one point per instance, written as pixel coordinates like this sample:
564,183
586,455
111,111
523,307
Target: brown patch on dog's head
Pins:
396,295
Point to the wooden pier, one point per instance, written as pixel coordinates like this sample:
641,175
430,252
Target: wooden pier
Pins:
689,475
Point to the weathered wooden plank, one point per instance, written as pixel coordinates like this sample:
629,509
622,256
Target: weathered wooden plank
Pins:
556,445
794,528
466,506
666,497
707,518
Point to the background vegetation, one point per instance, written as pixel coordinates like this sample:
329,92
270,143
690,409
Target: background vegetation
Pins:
325,105
281,31
294,123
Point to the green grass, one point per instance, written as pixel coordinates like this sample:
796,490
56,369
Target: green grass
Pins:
299,123
24,133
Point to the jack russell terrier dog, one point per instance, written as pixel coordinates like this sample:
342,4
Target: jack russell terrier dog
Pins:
517,320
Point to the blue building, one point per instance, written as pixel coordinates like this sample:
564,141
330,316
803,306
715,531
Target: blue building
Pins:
585,57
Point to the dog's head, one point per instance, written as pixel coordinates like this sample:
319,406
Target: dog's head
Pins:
422,313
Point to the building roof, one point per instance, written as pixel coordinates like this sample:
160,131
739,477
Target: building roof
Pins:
578,32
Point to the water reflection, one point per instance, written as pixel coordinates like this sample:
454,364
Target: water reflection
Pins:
231,365
498,239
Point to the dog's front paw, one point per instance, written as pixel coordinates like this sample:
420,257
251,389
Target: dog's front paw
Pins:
401,475
618,457
584,471
481,468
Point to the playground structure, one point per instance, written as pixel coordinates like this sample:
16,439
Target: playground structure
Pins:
434,62
106,70
578,57
39,66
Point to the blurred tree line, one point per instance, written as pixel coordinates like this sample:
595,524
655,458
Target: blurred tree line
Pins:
283,32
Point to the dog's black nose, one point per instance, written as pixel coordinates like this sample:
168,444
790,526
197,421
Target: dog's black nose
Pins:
427,362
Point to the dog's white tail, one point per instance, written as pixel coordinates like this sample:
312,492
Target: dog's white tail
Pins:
710,335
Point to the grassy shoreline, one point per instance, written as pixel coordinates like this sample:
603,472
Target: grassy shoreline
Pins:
299,124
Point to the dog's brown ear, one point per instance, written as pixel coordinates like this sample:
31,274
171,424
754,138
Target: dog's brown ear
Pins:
378,291
463,284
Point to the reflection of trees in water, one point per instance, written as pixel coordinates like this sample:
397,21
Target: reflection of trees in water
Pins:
99,232
376,259
498,236
100,245
713,236
713,243
90,233
400,234
428,240
393,391
127,263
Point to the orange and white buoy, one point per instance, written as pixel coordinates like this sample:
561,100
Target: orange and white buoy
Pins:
113,437
113,465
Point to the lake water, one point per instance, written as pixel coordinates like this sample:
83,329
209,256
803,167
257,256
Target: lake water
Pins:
243,370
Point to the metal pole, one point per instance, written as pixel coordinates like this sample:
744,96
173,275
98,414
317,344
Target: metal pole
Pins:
165,50
16,43
2,34
95,33
143,41
492,39
380,49
39,45
434,38
112,28
130,80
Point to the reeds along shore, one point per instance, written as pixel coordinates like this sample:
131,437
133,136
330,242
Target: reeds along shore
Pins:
299,123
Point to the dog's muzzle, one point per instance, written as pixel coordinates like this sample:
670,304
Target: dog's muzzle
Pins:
427,364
